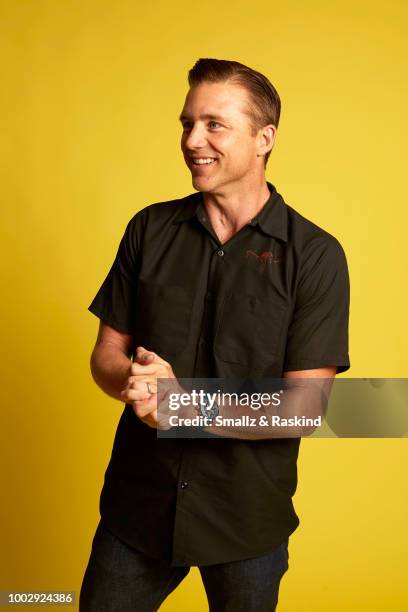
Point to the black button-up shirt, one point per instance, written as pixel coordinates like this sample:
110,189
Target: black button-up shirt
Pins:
273,298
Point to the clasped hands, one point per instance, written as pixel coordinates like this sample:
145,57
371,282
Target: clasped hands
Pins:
147,368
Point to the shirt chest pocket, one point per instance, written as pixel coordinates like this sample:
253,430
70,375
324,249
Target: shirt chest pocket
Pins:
163,317
250,329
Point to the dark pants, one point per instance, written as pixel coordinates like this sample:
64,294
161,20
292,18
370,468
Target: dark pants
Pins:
121,579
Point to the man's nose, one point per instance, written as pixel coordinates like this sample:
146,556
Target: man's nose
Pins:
196,138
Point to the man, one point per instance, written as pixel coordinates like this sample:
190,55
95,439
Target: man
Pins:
227,282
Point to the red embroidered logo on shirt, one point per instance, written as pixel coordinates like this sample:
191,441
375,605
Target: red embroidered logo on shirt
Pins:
264,258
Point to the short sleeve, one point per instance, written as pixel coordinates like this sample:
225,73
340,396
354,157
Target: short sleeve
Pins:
115,301
318,332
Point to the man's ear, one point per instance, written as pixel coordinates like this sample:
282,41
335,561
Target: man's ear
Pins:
266,139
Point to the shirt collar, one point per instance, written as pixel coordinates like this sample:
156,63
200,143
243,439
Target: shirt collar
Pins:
192,202
272,219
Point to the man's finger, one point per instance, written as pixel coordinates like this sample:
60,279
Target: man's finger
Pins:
142,384
144,356
131,395
145,406
143,413
143,370
149,421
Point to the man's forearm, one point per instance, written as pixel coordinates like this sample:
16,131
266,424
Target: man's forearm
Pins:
301,407
110,369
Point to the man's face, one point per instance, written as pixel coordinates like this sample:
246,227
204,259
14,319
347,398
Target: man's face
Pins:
216,130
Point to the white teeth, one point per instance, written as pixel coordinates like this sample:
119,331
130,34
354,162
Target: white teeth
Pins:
204,160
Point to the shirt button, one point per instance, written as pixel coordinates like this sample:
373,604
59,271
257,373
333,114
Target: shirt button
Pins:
184,485
220,253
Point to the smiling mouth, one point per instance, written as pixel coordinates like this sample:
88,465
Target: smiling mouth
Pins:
203,161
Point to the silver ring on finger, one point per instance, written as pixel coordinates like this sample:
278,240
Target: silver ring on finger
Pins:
149,390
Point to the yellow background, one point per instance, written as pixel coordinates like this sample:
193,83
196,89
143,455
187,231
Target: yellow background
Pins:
90,95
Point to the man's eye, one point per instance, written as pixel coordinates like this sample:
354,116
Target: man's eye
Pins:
214,124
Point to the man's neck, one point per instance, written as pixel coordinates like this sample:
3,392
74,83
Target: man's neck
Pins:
230,209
